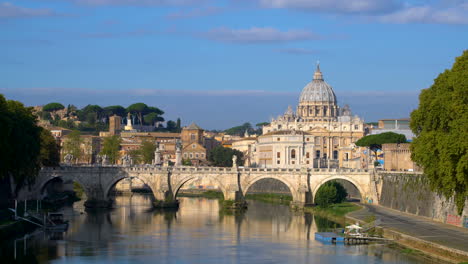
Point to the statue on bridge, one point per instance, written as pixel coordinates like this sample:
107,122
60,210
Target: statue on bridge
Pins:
127,160
105,160
157,155
68,158
98,159
234,161
178,153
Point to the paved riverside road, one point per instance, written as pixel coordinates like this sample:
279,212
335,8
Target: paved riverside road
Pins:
416,226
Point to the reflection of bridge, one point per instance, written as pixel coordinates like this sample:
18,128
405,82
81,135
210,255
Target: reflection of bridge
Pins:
165,182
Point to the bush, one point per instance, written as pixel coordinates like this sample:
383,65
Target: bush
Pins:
331,192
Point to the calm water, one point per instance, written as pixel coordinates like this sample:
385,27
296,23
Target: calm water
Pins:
196,233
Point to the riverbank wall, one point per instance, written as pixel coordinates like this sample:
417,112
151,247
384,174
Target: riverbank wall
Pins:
411,193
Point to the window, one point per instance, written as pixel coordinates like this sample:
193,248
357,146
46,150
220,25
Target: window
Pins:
279,126
196,155
356,127
324,110
307,155
317,154
278,155
335,141
191,155
185,155
325,155
307,139
346,156
194,146
278,139
307,162
202,155
335,154
192,136
277,162
293,162
293,154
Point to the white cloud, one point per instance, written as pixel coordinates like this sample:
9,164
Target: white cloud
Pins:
196,12
333,6
8,10
257,35
428,14
296,51
138,2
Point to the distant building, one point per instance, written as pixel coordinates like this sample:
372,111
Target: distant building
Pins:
193,144
90,147
115,124
319,134
399,126
397,157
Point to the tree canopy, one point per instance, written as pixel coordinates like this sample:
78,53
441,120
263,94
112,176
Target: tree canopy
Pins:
239,130
72,145
50,150
52,107
222,157
111,148
20,143
330,193
115,110
374,142
440,124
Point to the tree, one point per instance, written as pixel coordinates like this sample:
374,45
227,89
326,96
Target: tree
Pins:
239,130
111,148
171,126
178,126
20,144
374,142
53,108
139,109
135,154
115,110
440,124
72,145
91,114
147,151
152,118
222,157
50,150
330,193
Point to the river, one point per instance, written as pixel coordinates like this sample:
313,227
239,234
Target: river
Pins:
196,233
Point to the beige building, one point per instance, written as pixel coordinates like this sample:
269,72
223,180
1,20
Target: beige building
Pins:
318,134
193,144
397,157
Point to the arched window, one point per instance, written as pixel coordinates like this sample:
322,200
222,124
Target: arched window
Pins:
293,154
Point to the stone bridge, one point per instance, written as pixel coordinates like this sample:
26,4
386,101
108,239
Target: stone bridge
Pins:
165,182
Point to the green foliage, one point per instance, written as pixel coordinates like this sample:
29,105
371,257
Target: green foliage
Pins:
138,109
72,144
52,107
115,110
50,150
239,130
147,151
44,115
135,154
111,148
262,124
331,192
91,114
222,157
374,142
19,142
441,126
273,198
152,118
187,162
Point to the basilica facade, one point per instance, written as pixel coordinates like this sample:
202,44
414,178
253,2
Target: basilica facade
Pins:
318,134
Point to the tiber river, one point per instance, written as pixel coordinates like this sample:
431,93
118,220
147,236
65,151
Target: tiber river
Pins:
196,233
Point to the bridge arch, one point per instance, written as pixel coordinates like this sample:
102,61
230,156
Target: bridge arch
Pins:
294,193
63,179
125,176
184,180
338,177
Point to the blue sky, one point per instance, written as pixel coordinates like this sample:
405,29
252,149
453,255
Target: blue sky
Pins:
221,63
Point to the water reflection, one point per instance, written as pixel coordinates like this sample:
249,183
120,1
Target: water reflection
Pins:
196,233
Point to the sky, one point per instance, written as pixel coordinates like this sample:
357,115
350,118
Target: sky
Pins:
220,63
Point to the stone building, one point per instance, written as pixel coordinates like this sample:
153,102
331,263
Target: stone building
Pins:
193,144
318,134
397,157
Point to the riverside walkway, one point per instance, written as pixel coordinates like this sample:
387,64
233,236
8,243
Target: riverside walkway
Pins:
436,233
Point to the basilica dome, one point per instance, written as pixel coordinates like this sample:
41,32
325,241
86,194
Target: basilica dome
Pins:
318,90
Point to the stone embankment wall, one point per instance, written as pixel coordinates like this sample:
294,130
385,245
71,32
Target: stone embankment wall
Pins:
411,193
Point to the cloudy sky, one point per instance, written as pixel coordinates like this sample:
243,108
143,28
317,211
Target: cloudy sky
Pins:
223,62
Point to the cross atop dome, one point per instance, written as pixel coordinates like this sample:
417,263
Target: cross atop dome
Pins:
318,74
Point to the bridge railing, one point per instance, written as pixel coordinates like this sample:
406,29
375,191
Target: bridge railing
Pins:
180,169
